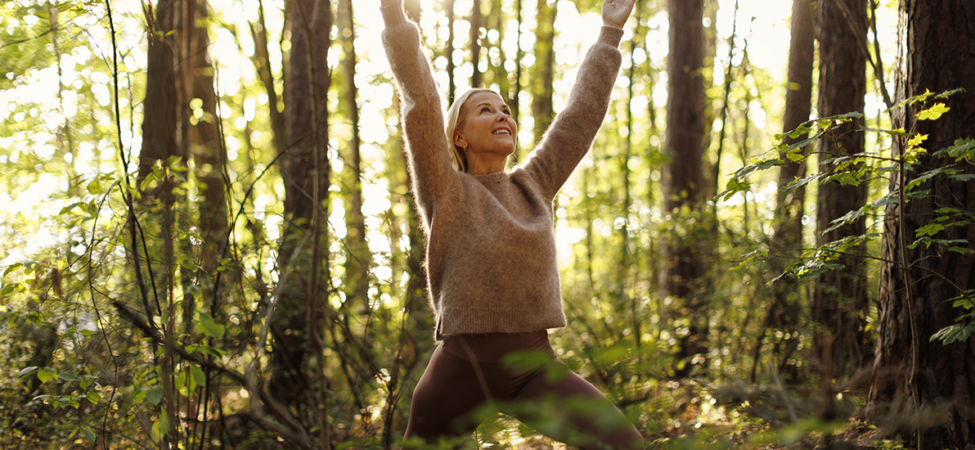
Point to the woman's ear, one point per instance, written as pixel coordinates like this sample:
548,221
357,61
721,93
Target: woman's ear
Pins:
459,139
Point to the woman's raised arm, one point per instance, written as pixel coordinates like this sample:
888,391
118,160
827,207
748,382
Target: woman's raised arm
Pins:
422,114
571,134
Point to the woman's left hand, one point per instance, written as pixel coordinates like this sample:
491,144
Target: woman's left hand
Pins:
615,12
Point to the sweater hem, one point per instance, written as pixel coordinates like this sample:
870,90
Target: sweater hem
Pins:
498,320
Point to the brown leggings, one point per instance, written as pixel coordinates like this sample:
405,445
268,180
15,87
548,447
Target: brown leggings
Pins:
469,377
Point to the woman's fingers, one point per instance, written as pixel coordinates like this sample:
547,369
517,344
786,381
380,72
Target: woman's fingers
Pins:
615,12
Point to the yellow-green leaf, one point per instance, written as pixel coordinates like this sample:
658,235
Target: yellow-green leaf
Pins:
158,430
934,112
917,140
46,375
94,397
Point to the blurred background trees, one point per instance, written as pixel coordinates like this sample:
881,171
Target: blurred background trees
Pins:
209,239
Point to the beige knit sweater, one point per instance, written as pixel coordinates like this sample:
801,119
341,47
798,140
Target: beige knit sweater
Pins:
491,265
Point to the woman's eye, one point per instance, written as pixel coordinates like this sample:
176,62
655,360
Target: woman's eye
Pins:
485,109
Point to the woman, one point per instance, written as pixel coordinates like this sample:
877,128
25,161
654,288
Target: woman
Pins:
492,275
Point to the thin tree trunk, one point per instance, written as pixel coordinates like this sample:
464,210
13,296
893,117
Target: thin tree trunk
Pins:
262,64
358,258
839,303
515,98
681,263
451,67
786,242
159,143
542,83
476,76
716,170
297,364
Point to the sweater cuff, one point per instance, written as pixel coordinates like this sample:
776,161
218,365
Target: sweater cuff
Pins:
393,15
610,35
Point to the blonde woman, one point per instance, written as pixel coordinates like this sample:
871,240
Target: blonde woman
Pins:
493,280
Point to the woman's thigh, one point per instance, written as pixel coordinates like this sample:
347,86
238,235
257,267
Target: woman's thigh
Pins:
595,421
449,390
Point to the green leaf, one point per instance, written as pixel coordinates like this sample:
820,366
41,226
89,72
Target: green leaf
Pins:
953,333
68,376
929,230
154,395
213,351
150,177
26,371
209,326
94,187
198,377
924,177
963,177
960,149
795,156
12,268
159,429
934,112
845,178
44,374
847,218
90,435
94,397
803,143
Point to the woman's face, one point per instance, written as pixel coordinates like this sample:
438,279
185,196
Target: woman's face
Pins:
488,125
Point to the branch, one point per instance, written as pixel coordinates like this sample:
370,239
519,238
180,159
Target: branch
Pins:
294,433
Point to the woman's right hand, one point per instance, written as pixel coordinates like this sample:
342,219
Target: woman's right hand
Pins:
615,12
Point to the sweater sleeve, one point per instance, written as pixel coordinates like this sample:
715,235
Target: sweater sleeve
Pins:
422,117
568,139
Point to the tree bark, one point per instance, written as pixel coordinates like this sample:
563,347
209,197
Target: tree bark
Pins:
209,154
358,255
542,90
305,169
840,303
477,78
935,55
683,180
786,243
262,64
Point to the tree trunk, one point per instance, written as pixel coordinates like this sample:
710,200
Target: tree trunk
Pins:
542,90
262,65
476,23
209,154
451,67
681,265
159,143
840,303
786,242
358,256
935,56
305,169
515,97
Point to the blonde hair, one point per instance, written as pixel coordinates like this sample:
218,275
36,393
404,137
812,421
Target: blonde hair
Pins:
456,120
